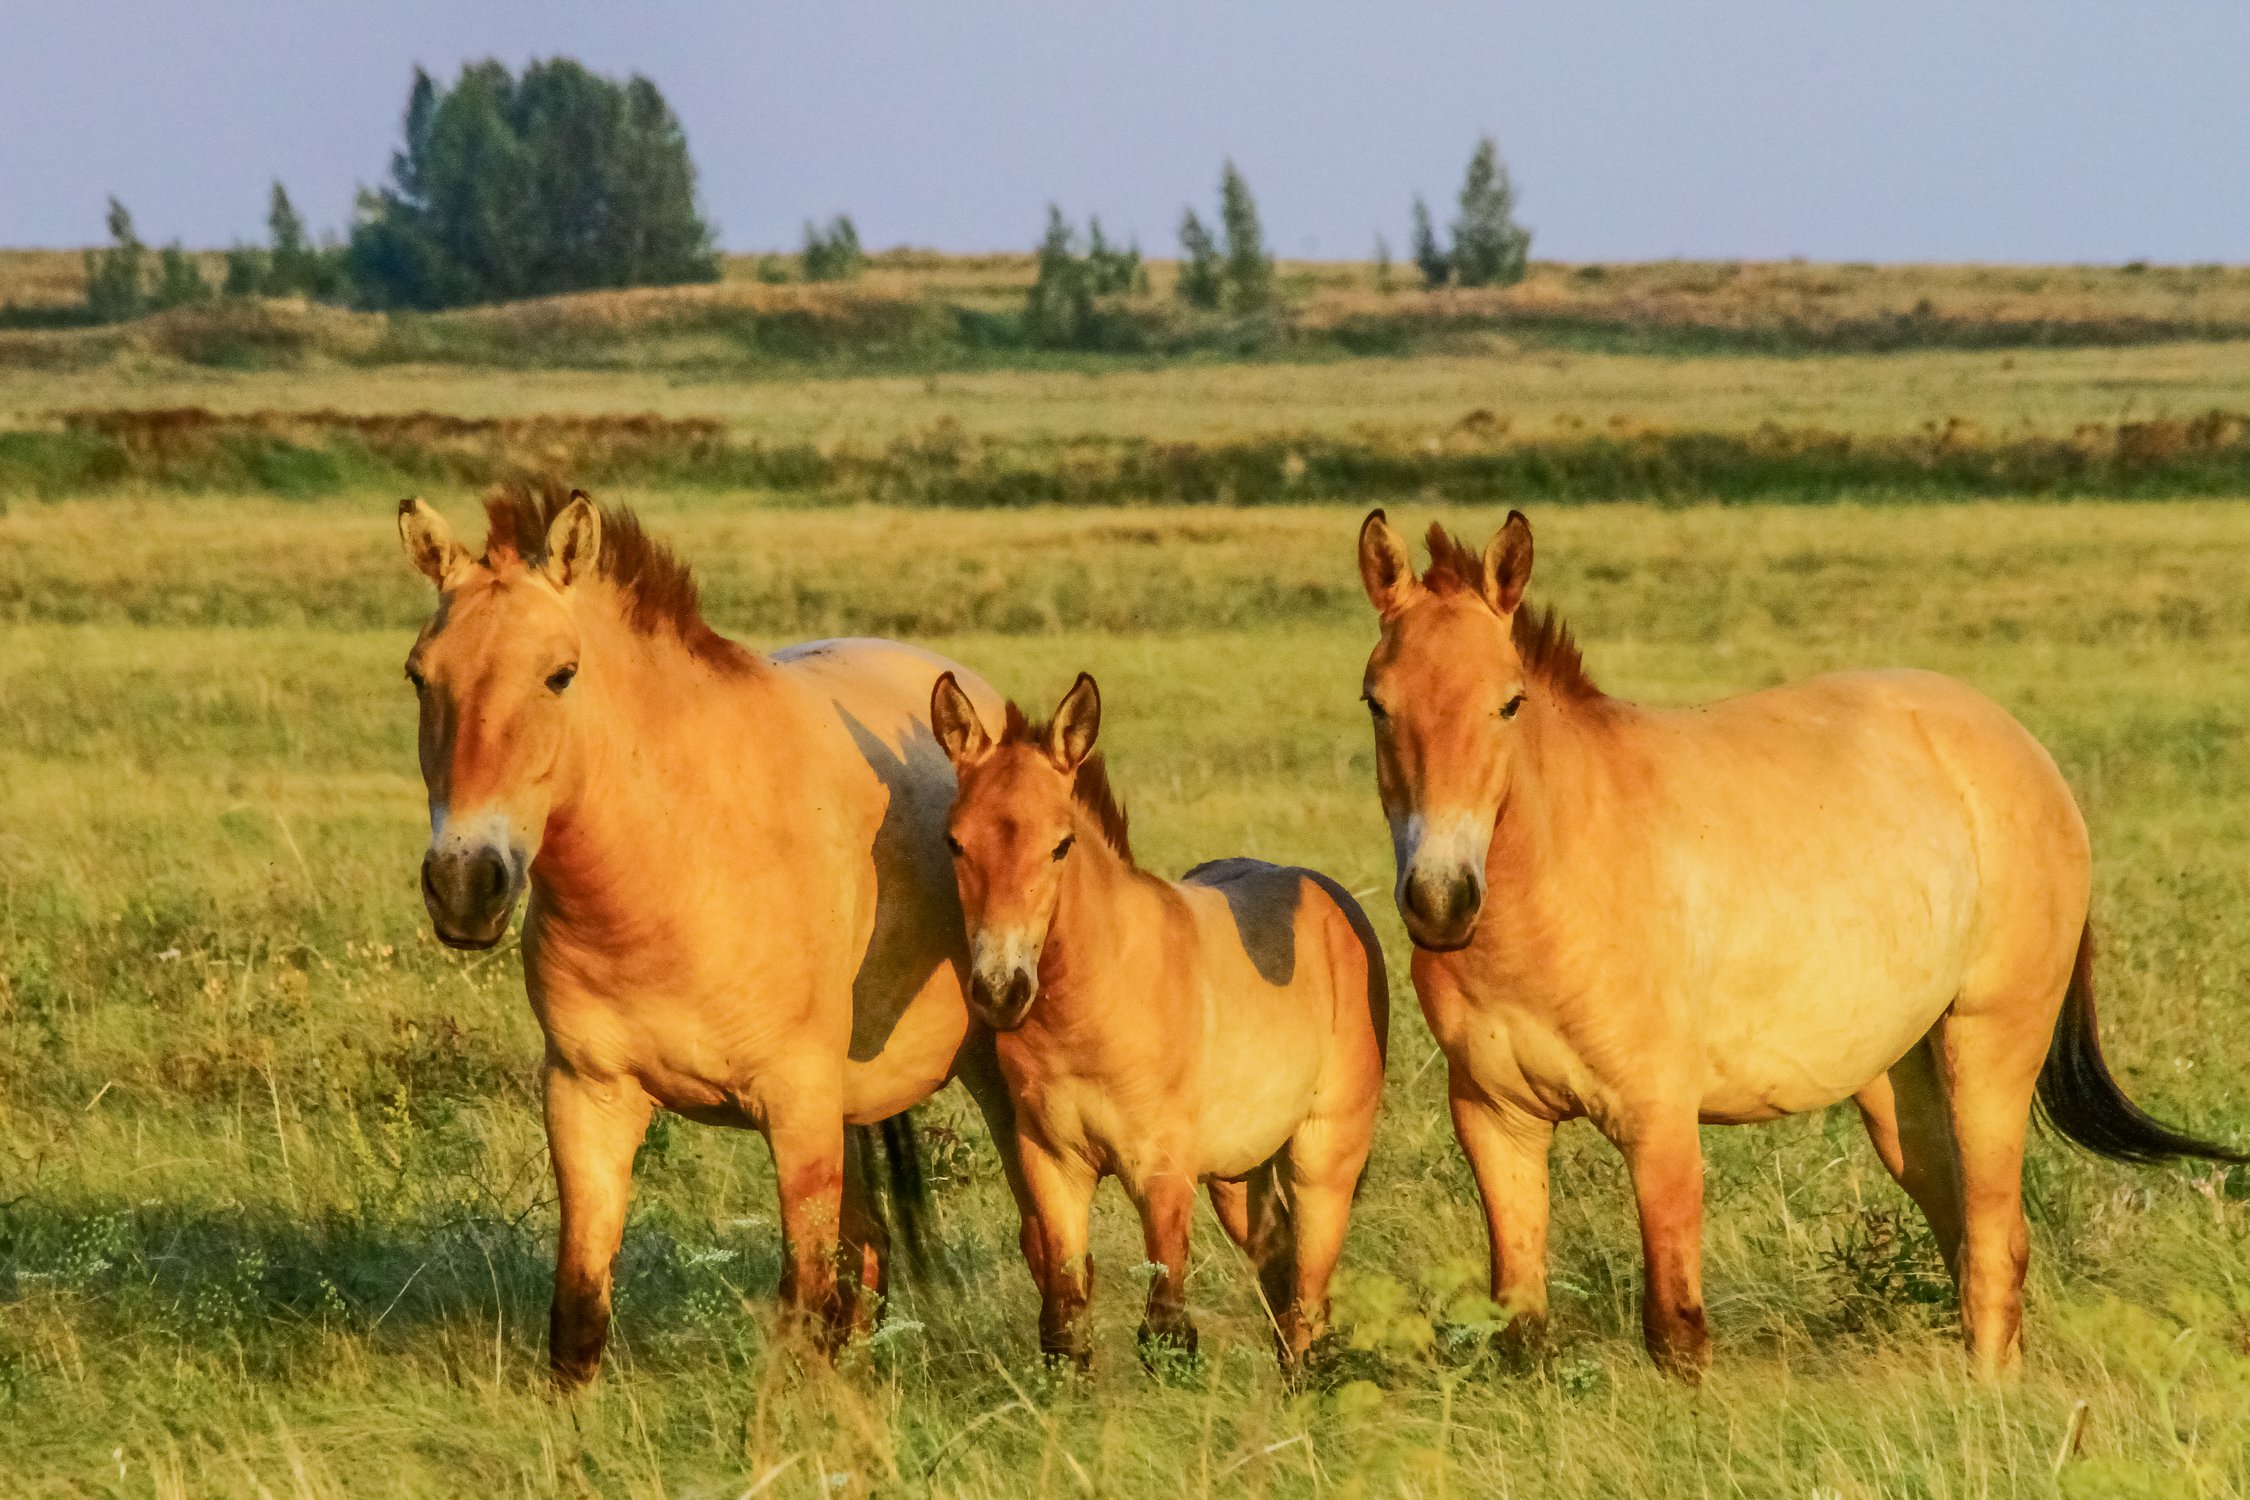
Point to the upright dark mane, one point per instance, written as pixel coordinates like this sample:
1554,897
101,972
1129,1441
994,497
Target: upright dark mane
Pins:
1550,655
1090,789
656,588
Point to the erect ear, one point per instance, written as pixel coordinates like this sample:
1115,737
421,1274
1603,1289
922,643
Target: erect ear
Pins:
1070,739
953,719
1507,564
429,541
1385,569
574,541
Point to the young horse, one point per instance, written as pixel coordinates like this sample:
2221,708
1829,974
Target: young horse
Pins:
740,906
1868,886
1229,1028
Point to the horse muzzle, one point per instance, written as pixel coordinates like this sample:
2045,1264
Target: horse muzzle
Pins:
471,890
1003,981
1441,907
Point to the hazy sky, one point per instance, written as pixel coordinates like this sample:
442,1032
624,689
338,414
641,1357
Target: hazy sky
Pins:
1838,129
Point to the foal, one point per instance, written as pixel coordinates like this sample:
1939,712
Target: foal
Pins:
1230,1027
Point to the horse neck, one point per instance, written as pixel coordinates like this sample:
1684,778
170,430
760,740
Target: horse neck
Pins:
636,746
1096,908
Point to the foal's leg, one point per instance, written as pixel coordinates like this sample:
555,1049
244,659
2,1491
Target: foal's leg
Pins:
1230,1203
1271,1242
866,1257
1062,1197
1666,1159
1324,1163
1507,1150
593,1129
1166,1201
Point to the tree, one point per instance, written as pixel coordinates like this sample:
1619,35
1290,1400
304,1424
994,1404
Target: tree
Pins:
293,265
1249,269
1060,308
1112,271
1489,247
832,254
1383,281
1201,268
555,182
113,276
1429,257
179,280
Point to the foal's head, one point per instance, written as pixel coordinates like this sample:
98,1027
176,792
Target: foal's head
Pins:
1012,832
494,669
1460,674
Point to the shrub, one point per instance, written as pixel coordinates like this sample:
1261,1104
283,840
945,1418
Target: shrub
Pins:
179,281
559,181
1429,256
1202,279
113,276
1064,309
1249,268
1489,246
833,253
293,266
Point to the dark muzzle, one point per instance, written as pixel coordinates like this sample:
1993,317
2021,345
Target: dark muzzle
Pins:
470,893
1001,1001
1441,910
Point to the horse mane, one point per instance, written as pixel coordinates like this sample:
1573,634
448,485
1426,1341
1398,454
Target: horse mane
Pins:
657,589
1090,788
1550,654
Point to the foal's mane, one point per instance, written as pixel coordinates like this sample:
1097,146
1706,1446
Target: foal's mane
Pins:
656,589
1550,655
1090,788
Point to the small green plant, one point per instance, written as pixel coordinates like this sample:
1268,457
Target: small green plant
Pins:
113,276
832,251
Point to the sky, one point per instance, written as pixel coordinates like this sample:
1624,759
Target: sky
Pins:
1872,130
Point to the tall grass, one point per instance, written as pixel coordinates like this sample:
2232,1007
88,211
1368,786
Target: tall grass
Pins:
274,1212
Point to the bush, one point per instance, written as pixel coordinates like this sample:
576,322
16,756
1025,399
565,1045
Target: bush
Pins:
1065,307
1249,268
1489,247
560,181
293,266
113,276
1202,280
1429,256
833,254
179,281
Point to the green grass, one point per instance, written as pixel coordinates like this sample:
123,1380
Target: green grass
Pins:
274,1207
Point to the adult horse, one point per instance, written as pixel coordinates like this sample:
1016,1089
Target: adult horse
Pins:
1868,885
740,904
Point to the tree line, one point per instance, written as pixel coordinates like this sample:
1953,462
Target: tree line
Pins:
560,180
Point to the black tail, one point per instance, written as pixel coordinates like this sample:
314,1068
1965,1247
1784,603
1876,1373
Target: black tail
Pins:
902,1181
2081,1099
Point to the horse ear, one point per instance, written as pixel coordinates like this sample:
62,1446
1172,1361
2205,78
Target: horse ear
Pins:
574,541
1070,739
1507,564
953,719
429,541
1385,568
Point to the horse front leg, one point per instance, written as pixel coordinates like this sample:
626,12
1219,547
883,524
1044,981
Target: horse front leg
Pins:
1507,1150
1166,1202
1665,1156
593,1129
808,1162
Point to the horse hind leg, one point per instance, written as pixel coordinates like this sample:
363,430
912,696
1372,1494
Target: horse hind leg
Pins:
864,1255
1269,1239
1992,1061
1912,1130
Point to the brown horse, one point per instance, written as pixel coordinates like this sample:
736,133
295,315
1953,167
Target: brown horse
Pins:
1228,1028
740,906
1869,886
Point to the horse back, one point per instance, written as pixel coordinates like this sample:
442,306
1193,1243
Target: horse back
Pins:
1277,912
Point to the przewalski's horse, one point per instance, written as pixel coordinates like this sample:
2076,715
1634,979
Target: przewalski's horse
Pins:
1228,1028
740,906
1870,886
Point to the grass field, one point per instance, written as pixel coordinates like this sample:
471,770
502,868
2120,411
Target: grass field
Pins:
274,1208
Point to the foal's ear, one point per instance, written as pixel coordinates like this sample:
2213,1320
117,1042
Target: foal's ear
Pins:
574,541
1507,564
1070,739
953,719
429,541
1385,568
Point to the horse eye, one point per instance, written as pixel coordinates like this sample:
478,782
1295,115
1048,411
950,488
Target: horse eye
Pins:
954,845
420,682
1375,710
1063,848
1508,709
560,678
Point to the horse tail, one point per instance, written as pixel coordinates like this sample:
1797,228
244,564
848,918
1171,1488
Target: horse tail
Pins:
2081,1098
902,1181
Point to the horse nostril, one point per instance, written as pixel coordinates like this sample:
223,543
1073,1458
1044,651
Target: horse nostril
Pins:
1019,993
491,878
